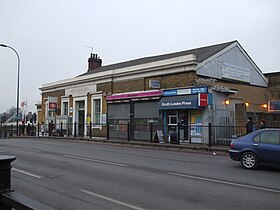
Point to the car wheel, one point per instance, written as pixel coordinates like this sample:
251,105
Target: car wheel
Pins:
249,160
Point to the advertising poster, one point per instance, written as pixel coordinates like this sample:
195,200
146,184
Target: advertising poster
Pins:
196,126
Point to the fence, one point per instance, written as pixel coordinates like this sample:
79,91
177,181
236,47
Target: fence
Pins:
176,134
8,131
149,132
139,132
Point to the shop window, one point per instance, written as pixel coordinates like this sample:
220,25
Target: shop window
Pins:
172,120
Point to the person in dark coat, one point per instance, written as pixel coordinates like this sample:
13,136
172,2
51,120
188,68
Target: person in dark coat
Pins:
263,124
51,128
22,128
250,126
28,129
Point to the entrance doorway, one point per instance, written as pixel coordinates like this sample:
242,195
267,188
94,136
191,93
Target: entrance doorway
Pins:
80,117
81,122
183,126
178,126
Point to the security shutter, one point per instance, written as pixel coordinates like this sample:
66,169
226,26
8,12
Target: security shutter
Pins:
146,110
118,111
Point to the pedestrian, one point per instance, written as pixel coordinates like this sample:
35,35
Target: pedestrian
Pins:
28,129
263,124
22,128
250,126
43,128
51,128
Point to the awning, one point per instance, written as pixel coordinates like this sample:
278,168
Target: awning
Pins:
179,102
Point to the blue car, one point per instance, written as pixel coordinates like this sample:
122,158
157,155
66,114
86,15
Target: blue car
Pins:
259,147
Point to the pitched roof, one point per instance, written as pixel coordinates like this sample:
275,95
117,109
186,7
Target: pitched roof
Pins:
201,54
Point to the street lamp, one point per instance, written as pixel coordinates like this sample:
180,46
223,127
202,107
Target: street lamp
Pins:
3,45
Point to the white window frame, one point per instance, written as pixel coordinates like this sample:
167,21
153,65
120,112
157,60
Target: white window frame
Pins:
95,97
64,100
170,119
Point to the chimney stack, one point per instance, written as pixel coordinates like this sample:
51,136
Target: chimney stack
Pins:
94,62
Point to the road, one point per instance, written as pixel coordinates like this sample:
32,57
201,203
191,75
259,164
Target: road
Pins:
83,175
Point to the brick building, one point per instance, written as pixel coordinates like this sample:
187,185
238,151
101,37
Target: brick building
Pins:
273,116
190,87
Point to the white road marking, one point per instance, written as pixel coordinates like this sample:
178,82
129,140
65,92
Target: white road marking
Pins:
3,151
26,173
25,149
112,200
32,150
94,160
225,182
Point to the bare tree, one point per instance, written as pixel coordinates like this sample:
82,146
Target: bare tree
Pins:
9,112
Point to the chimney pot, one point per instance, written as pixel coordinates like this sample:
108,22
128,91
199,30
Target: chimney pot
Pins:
94,62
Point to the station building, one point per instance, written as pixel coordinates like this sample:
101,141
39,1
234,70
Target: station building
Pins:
218,84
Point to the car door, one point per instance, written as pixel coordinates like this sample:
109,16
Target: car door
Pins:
267,146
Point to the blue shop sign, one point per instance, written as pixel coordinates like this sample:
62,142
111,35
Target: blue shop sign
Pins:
199,90
186,91
169,92
179,102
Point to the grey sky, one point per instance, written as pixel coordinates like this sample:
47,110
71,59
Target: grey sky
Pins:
50,35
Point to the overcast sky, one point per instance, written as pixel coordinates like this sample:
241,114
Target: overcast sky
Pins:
50,35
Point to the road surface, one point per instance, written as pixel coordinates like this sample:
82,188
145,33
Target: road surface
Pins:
83,175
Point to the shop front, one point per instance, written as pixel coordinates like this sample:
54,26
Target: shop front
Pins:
184,113
132,114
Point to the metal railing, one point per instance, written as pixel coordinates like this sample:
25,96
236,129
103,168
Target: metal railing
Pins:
150,132
176,134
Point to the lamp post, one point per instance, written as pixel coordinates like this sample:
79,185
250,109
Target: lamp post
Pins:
3,45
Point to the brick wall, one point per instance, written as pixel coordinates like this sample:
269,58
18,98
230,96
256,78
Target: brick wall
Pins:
255,96
142,84
274,86
178,80
128,86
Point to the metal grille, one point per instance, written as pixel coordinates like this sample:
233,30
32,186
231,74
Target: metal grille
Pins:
223,123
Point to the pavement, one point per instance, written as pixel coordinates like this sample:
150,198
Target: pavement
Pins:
221,149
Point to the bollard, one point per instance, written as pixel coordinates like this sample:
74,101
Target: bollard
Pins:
5,172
